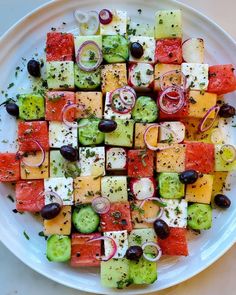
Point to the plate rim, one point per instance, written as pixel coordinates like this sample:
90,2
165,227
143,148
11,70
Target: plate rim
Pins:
7,34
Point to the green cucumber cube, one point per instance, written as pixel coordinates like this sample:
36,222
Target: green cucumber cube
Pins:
87,80
79,40
170,186
115,273
168,24
123,135
60,75
143,271
139,236
31,107
115,49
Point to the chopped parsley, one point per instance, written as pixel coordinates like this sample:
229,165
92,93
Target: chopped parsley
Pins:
26,236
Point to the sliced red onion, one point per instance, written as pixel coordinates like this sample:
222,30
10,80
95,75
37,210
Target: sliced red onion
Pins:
127,97
215,109
41,160
89,68
131,89
176,107
81,17
183,78
123,109
160,213
101,205
233,151
147,256
66,108
105,16
114,247
91,26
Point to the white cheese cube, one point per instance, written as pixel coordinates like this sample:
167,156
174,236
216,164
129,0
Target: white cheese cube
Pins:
79,40
196,75
166,134
60,75
118,24
149,45
141,76
175,214
116,159
60,134
61,186
121,239
92,161
109,113
114,188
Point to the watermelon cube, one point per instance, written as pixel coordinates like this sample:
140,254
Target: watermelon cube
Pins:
169,51
37,130
117,218
9,167
140,163
55,102
176,243
200,157
29,195
84,253
222,79
59,46
31,107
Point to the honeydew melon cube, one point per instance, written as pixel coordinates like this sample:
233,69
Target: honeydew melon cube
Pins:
114,188
31,107
220,163
79,40
139,236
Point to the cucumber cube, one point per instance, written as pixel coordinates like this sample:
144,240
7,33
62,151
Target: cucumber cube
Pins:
87,80
168,24
60,75
31,107
170,186
115,273
123,135
79,40
139,236
143,271
115,49
115,188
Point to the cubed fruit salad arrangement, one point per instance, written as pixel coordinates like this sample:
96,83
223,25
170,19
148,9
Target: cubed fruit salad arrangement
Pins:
122,153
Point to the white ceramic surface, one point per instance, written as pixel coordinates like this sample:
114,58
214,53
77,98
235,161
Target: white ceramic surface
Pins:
26,39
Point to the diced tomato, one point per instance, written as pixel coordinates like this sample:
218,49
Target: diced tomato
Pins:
169,51
140,163
29,195
59,47
222,79
84,253
37,130
117,218
176,243
200,157
55,102
9,167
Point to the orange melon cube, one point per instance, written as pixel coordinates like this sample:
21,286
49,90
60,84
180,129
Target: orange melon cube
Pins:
28,172
86,188
152,136
92,103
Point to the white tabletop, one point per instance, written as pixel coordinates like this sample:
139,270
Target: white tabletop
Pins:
18,279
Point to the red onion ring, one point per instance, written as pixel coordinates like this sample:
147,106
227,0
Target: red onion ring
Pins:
230,146
105,16
146,256
160,213
65,109
114,246
175,108
42,151
80,50
101,205
215,109
123,97
183,78
126,108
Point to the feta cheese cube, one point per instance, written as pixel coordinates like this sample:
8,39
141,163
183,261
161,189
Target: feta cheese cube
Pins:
60,134
92,161
196,75
114,188
149,45
118,24
109,113
121,239
62,186
141,76
116,159
175,214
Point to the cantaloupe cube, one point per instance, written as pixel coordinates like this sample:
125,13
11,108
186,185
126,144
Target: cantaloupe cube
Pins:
61,224
169,80
113,76
200,102
92,103
220,163
171,159
201,190
41,172
86,188
140,129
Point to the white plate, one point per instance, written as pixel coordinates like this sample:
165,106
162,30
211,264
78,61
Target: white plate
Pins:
27,38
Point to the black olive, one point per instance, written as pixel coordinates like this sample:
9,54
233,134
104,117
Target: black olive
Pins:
161,228
222,201
136,50
69,153
50,211
33,68
107,126
188,176
227,111
12,109
134,253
